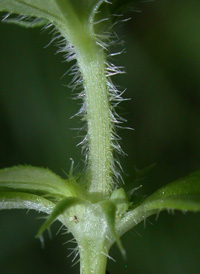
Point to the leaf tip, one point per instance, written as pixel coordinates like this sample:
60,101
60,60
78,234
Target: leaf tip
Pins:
42,229
120,246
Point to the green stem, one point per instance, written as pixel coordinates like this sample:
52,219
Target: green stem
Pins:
91,61
92,261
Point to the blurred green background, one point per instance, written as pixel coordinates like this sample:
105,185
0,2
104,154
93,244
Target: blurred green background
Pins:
162,61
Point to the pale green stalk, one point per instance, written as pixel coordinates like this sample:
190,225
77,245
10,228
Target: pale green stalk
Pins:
91,61
92,260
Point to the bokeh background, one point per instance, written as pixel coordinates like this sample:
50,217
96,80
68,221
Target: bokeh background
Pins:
162,61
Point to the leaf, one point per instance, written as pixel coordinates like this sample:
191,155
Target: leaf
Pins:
26,24
74,19
56,11
58,210
109,210
47,9
183,194
36,180
17,200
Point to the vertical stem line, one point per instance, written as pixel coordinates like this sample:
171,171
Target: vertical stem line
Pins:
92,259
91,61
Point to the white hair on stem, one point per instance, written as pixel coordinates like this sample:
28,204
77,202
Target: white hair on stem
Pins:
105,41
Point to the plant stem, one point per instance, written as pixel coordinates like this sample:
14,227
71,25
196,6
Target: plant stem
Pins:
92,261
91,61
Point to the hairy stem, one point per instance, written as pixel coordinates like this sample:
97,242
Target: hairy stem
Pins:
92,261
91,61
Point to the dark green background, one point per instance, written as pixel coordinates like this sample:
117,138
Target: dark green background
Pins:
163,80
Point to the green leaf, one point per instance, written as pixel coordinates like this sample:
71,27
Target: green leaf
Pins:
58,210
183,194
17,200
53,10
73,18
47,9
27,24
36,180
109,210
